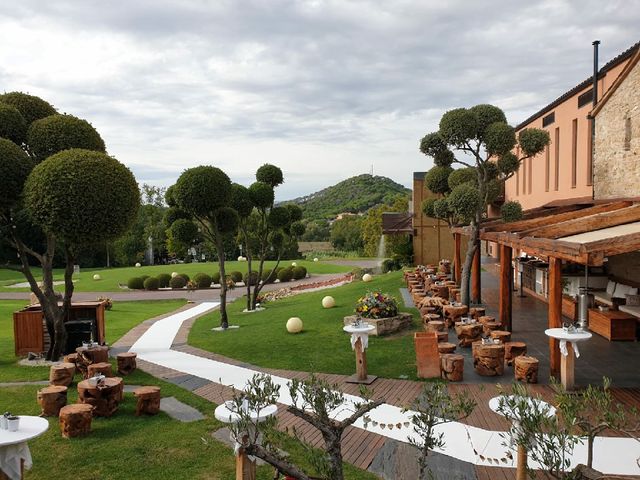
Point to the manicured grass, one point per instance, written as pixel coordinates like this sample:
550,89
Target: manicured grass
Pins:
111,277
322,347
119,320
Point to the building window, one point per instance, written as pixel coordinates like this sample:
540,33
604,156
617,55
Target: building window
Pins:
574,153
627,134
585,99
557,148
549,119
547,166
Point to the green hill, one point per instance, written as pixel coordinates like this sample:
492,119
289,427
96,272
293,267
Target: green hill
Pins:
355,195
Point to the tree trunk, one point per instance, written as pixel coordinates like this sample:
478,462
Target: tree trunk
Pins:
334,450
264,234
258,288
590,440
465,296
59,340
224,321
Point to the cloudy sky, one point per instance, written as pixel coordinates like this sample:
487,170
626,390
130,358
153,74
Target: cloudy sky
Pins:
324,89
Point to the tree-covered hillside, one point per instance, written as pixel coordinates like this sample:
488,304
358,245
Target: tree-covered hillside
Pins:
354,195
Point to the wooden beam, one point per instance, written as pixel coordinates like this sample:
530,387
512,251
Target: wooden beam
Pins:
555,313
457,259
475,278
586,224
535,213
506,283
615,246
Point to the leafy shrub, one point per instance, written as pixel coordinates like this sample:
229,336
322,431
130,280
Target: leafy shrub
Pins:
144,277
31,107
215,278
135,283
177,282
437,179
390,265
253,278
202,280
266,274
511,211
286,274
299,272
185,276
15,166
163,280
377,305
12,124
236,276
151,283
269,174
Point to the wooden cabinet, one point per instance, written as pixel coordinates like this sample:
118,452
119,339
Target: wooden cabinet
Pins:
612,324
30,333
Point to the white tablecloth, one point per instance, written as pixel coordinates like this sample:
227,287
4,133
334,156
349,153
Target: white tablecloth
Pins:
10,458
364,339
571,337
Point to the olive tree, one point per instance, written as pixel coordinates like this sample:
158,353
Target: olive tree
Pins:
484,144
205,193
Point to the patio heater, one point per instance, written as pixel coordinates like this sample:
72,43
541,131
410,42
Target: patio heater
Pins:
520,271
585,302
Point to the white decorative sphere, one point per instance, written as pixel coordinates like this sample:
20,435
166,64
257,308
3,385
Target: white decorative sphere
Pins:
294,325
174,274
328,302
97,277
315,259
294,264
138,265
367,277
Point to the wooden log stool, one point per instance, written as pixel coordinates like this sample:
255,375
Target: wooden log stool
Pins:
489,360
477,312
452,367
431,317
486,318
90,355
446,347
126,362
502,335
434,326
526,369
102,367
452,313
75,420
513,350
441,291
72,358
51,399
62,374
148,400
105,397
468,333
443,336
453,293
489,327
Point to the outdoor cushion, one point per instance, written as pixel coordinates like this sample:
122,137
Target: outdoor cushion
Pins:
622,290
611,286
602,297
633,300
635,311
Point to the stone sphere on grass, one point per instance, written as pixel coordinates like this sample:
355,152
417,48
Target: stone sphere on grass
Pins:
294,325
315,259
294,264
328,302
174,274
367,277
138,265
97,277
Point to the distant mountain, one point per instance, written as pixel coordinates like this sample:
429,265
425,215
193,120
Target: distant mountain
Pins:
355,195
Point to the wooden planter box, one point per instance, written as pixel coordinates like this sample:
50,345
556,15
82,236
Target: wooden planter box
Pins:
385,326
612,324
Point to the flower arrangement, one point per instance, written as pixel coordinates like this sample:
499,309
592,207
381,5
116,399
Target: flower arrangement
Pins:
377,305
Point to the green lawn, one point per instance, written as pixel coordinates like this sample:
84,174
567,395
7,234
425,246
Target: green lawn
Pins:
119,320
322,347
111,277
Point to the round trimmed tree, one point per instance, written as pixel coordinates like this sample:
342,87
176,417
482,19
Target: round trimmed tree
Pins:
31,108
56,133
15,166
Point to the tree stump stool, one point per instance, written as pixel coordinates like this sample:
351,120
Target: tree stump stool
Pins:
148,400
90,355
434,326
62,374
443,336
513,350
441,291
126,362
75,420
102,367
105,397
489,360
72,358
501,335
489,327
486,318
431,317
453,293
452,313
427,356
452,367
468,333
474,348
526,369
51,399
446,347
477,312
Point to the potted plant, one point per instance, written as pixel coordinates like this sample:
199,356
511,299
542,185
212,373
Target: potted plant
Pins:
380,310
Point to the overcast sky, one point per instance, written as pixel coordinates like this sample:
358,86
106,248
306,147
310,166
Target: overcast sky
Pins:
323,89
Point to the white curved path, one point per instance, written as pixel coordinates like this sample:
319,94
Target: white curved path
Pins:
612,455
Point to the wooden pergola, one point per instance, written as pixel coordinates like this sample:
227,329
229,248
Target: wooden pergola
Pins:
578,233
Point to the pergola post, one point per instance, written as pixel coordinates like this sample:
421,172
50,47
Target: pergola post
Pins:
555,312
475,277
506,287
457,261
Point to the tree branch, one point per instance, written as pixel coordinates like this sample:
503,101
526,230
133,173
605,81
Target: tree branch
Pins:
360,412
325,429
282,465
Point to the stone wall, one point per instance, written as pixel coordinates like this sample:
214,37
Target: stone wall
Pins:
625,267
616,156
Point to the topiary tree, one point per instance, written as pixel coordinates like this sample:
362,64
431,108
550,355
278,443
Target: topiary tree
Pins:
151,283
482,135
243,204
202,280
511,211
15,166
31,108
163,280
205,193
13,126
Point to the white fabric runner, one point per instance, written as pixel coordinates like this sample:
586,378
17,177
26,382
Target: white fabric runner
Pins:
364,339
10,458
565,350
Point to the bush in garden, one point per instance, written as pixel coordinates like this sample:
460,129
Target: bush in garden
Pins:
163,280
151,283
236,276
268,277
286,274
135,283
185,276
202,280
177,282
144,277
299,272
511,211
253,279
389,265
215,278
377,305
